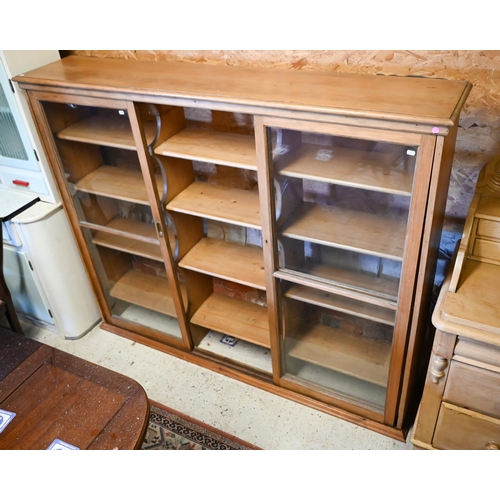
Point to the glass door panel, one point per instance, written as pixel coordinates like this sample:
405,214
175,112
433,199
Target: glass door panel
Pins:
341,213
99,157
13,136
342,209
336,344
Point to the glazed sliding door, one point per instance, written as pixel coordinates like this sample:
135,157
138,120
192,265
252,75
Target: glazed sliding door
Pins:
112,192
340,226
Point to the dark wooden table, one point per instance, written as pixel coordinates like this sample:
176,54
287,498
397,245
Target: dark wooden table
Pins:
56,395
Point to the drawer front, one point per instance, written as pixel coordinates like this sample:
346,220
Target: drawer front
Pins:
485,249
25,183
488,229
461,429
474,388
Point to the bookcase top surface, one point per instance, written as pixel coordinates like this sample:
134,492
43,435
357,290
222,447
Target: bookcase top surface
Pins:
421,100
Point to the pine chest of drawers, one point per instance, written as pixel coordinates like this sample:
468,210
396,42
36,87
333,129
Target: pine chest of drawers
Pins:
460,407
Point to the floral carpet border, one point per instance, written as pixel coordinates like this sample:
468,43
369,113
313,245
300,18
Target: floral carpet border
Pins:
169,429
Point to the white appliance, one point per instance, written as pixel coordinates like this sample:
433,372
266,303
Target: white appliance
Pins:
42,265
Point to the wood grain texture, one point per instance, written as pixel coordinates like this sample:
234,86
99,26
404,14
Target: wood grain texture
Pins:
145,290
476,66
479,132
242,264
480,353
417,272
381,172
132,229
360,357
233,150
105,131
474,388
349,229
416,99
243,320
385,287
430,403
343,304
461,429
474,304
58,396
119,183
236,206
486,250
128,245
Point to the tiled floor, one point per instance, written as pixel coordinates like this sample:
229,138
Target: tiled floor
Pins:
263,419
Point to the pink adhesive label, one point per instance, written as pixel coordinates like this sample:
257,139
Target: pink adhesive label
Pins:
435,130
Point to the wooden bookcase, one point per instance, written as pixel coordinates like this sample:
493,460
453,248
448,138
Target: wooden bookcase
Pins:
299,212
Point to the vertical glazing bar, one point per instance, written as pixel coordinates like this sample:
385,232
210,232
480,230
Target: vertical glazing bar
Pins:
267,210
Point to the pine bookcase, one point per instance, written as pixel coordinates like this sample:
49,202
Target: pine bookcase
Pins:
296,212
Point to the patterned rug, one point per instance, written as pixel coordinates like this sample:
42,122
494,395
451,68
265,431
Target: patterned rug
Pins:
171,430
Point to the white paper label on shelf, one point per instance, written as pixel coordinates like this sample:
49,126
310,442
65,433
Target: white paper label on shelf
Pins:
281,150
324,154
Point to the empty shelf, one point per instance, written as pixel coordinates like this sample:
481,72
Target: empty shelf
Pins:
118,183
349,229
372,170
233,150
242,264
129,236
106,131
243,320
360,357
146,290
340,303
225,204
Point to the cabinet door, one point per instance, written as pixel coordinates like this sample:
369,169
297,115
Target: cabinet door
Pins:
99,151
340,230
15,149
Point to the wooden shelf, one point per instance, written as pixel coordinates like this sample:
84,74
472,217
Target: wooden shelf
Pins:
342,304
130,236
361,169
128,228
233,150
146,290
106,131
360,357
349,229
128,245
243,320
384,287
225,204
242,264
118,183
